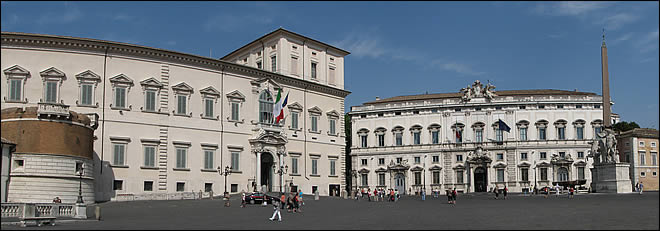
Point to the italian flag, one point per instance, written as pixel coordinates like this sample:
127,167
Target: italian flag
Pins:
278,109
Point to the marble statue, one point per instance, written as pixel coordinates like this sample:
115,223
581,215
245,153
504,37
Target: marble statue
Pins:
603,148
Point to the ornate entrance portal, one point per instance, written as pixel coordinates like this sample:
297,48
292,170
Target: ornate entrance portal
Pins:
480,180
400,183
267,170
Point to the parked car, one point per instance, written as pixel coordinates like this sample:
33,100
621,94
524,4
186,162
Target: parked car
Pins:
258,198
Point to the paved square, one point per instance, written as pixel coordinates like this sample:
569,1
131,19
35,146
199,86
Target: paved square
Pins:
475,211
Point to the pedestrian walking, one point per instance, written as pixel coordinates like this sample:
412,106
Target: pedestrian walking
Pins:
505,191
453,196
557,189
283,199
547,192
369,194
571,191
375,194
296,204
301,202
449,197
276,210
423,195
396,195
636,187
362,193
641,188
391,195
497,192
243,200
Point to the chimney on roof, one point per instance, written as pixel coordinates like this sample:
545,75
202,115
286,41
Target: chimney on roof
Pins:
377,98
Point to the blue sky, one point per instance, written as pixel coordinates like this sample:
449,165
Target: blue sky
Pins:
400,48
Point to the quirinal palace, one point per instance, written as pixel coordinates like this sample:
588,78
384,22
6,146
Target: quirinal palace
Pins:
129,122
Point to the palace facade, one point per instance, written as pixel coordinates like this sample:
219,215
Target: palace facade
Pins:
460,140
170,122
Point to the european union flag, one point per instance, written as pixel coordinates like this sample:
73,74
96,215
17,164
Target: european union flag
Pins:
503,126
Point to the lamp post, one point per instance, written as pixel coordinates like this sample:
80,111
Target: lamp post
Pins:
535,189
226,172
80,173
281,170
424,177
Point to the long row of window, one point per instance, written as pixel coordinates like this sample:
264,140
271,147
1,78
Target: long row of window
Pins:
478,131
469,108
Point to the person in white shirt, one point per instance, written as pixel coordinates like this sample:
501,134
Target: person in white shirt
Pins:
276,210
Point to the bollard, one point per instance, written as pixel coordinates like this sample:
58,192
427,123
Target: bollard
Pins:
98,213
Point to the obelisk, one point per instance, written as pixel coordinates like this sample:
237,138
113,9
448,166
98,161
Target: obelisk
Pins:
607,118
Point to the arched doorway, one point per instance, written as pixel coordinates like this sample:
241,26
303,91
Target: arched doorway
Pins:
562,174
267,170
480,179
400,183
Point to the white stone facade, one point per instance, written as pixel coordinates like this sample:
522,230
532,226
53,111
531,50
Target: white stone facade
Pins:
509,159
172,113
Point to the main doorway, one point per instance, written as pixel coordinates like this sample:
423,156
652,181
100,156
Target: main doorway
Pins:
480,179
267,171
400,183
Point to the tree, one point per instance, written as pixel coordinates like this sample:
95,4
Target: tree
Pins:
348,161
624,126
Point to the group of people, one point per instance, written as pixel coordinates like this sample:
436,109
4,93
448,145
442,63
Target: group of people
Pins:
496,190
639,187
451,196
378,194
293,202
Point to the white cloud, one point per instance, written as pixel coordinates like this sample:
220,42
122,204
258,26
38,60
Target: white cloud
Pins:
362,45
648,43
568,8
598,13
617,21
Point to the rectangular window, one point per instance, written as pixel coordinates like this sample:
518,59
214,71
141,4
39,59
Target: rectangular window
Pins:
562,154
331,77
120,97
294,165
499,136
118,185
641,143
364,140
543,155
436,159
313,70
365,180
561,134
180,186
580,133
208,159
51,92
181,104
381,161
15,90
436,177
381,140
150,101
208,187
294,65
208,108
459,158
596,105
332,127
294,120
86,94
315,164
500,156
381,178
149,156
418,178
580,155
364,162
148,186
544,173
581,173
315,120
653,144
273,63
578,106
235,164
642,158
541,133
333,163
181,157
399,139
524,174
435,137
119,151
416,137
523,156
459,177
418,160
654,158
560,106
523,134
479,135
235,111
500,175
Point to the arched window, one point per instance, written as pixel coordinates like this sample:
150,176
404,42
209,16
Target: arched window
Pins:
435,133
416,132
561,129
478,128
541,126
380,135
265,107
457,128
562,174
598,126
397,132
579,129
522,129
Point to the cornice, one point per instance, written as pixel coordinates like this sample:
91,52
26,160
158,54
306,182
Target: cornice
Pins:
15,39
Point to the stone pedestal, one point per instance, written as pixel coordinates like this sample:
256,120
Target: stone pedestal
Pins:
81,211
611,178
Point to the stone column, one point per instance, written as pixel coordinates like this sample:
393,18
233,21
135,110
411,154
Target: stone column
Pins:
258,177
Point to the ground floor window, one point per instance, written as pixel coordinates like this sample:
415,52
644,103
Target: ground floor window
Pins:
180,186
459,177
581,173
365,181
234,187
544,173
418,178
148,186
436,177
500,175
381,178
118,185
524,174
208,187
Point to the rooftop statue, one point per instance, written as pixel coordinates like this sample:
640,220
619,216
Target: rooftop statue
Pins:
477,89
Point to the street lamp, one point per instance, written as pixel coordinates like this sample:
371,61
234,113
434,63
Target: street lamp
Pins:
225,173
535,189
424,172
80,173
281,170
